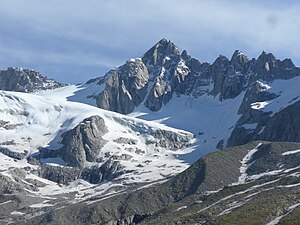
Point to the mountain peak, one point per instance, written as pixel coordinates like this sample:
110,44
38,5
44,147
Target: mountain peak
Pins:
221,59
168,46
266,56
25,80
162,49
163,41
185,55
238,54
238,59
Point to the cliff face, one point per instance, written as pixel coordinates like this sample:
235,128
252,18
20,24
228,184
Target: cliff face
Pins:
125,87
83,143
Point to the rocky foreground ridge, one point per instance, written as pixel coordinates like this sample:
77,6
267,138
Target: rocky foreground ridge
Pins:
257,183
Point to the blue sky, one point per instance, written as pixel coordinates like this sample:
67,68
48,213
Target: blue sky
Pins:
73,41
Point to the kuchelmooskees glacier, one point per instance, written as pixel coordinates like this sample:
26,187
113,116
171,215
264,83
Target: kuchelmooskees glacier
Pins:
161,139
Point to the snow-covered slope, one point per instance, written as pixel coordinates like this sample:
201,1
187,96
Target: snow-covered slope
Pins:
212,121
288,93
208,118
32,122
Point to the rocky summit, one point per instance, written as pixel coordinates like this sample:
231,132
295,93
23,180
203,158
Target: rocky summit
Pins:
162,139
25,80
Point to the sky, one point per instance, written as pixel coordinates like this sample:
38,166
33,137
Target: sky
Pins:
73,40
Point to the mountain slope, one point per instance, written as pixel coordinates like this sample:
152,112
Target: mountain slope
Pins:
217,189
66,152
229,102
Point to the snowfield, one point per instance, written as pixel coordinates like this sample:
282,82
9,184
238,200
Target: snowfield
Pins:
33,121
210,119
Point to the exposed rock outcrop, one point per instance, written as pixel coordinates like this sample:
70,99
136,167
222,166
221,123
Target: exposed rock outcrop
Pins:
170,140
12,154
25,80
125,88
256,124
94,174
160,94
83,143
107,171
284,125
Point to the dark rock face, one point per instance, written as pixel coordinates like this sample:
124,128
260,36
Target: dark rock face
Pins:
95,174
160,94
83,143
256,92
284,125
268,68
170,72
125,87
268,126
12,154
162,67
107,171
60,175
170,140
123,140
25,80
164,53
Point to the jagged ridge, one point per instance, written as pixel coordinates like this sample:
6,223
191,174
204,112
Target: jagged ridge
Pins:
166,71
25,80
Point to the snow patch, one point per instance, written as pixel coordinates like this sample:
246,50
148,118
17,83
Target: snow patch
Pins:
263,86
3,203
41,205
182,207
250,126
16,213
287,92
259,105
289,210
291,152
245,165
40,119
